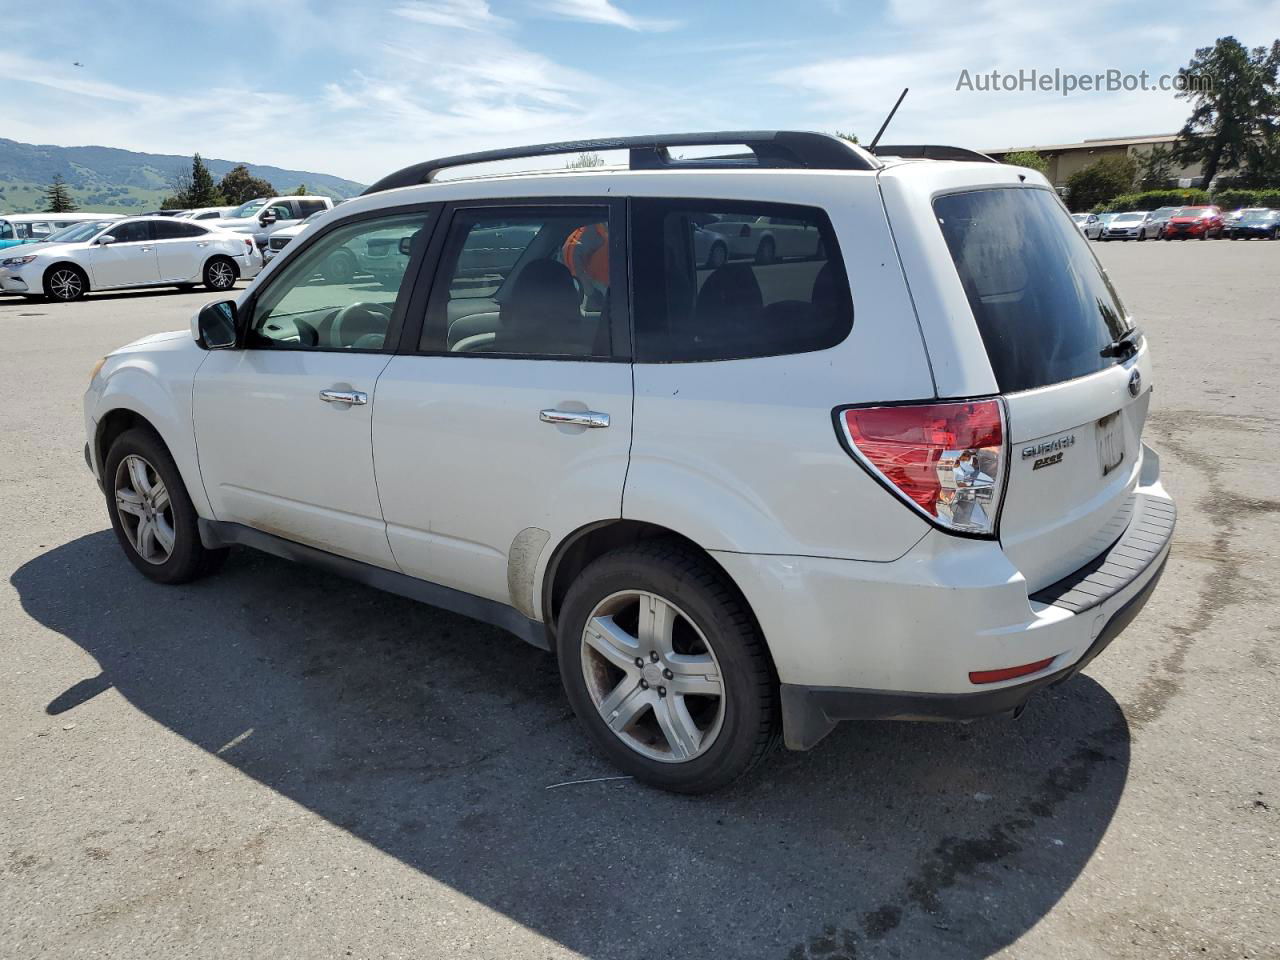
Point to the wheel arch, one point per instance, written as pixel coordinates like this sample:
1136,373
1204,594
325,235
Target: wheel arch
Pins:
134,398
44,277
220,256
591,541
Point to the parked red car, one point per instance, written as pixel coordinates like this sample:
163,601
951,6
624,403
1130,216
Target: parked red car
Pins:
1202,222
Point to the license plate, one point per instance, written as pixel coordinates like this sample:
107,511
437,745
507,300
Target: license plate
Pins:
1110,442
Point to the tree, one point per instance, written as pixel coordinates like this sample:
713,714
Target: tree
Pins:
1155,167
585,161
194,188
301,191
1027,158
1262,163
1100,181
58,197
203,192
239,185
846,135
1235,101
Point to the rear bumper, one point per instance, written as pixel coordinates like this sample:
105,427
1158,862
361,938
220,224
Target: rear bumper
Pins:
810,713
854,639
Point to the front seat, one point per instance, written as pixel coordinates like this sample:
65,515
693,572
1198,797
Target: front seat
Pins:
728,305
542,314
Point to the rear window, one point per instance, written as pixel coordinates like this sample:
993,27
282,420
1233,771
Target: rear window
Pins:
1044,307
723,280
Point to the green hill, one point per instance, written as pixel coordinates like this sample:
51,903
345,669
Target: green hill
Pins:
108,179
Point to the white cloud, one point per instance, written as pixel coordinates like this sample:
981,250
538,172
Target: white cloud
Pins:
602,11
457,14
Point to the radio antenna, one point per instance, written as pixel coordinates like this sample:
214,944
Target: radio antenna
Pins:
880,132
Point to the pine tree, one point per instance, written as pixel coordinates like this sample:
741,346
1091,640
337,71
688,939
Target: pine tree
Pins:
58,197
203,192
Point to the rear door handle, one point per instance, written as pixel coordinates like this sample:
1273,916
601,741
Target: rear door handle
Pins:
578,418
354,397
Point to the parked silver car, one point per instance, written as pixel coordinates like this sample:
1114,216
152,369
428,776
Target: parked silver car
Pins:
1133,225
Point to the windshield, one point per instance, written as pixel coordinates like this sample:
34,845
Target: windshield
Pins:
1259,215
1043,305
247,209
1128,217
1165,212
1079,217
77,232
1190,212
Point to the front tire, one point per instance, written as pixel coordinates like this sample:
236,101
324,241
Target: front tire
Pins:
665,667
65,282
220,274
151,513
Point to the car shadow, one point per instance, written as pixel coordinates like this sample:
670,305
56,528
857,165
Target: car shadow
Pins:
436,740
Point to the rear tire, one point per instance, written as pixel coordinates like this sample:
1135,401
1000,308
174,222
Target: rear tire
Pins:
220,274
151,513
340,267
613,667
65,282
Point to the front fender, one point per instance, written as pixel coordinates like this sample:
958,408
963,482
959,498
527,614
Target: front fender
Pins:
157,386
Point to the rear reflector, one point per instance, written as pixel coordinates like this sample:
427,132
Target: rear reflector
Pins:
1008,673
945,459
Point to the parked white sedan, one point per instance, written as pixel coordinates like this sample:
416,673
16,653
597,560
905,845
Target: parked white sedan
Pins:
138,252
1090,225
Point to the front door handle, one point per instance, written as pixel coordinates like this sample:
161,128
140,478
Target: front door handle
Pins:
578,418
354,397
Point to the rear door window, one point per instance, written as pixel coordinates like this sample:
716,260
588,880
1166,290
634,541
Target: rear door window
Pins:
528,282
723,280
1044,306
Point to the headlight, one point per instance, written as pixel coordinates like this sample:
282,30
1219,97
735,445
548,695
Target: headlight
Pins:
97,368
16,261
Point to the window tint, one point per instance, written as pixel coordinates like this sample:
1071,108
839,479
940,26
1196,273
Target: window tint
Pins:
308,207
341,291
526,281
1043,305
6,230
281,211
177,229
137,231
720,281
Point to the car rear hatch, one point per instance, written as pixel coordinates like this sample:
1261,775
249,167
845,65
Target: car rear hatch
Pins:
1070,365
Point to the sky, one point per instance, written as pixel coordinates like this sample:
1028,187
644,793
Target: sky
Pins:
359,88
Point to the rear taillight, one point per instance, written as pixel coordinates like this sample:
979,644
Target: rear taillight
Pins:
945,459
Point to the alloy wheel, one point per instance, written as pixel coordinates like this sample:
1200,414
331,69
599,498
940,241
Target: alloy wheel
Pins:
653,676
66,284
221,276
145,510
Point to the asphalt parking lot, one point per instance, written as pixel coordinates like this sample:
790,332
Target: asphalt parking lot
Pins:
274,762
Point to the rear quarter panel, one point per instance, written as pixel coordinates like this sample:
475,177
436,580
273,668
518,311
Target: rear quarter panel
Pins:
742,455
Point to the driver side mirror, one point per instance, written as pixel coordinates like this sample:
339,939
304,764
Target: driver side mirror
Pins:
267,219
216,325
406,246
107,239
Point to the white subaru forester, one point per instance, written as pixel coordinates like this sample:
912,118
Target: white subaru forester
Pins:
880,457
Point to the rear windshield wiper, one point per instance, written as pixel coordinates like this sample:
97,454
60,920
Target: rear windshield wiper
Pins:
1125,345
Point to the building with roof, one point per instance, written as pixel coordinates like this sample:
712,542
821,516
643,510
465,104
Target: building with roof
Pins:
1066,158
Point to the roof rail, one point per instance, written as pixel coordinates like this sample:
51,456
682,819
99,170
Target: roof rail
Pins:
768,148
930,151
